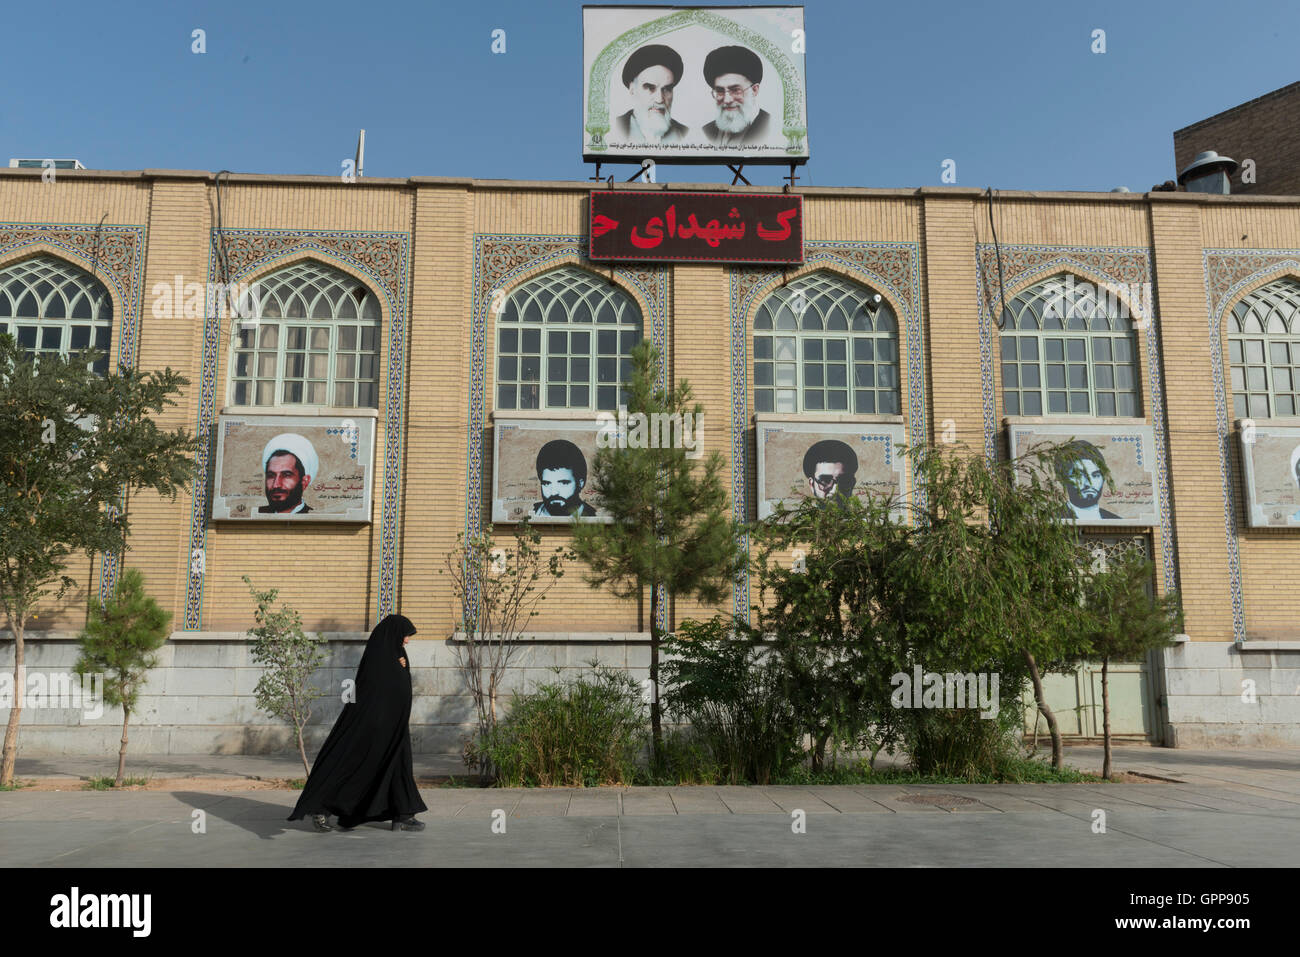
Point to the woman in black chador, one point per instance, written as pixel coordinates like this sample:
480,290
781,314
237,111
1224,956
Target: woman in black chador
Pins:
364,770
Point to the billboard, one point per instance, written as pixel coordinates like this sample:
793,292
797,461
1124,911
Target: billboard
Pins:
299,468
1127,451
540,470
1271,457
694,84
643,226
800,460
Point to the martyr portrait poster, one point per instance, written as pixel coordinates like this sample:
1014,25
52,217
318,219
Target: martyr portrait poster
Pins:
1271,460
1089,497
308,468
540,470
800,460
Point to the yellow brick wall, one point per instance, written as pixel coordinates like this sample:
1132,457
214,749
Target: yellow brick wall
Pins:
331,571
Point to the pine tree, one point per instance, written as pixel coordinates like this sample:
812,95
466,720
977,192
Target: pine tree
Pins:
672,531
119,642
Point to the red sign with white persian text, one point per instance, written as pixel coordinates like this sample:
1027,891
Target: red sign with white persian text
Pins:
643,226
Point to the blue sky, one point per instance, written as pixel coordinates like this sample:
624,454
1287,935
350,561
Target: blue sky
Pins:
1011,91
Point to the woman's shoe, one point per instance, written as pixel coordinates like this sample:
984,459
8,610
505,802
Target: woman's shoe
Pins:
321,822
407,822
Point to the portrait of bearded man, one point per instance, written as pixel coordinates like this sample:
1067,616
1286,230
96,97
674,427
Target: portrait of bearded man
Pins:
733,75
650,75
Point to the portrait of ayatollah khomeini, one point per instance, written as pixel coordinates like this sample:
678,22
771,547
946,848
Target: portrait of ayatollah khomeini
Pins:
733,74
650,74
289,463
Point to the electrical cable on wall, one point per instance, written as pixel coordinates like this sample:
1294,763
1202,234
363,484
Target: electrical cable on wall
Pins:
997,249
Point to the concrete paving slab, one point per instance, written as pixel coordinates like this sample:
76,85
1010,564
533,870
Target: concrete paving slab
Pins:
1154,796
697,800
829,799
543,803
746,800
653,801
888,797
594,802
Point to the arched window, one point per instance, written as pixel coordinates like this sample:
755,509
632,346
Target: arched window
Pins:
1264,350
315,341
562,343
51,306
825,344
1068,348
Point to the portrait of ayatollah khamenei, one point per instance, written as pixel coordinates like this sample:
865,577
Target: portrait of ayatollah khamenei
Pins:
294,468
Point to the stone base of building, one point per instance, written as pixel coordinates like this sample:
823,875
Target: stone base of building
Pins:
199,700
1224,695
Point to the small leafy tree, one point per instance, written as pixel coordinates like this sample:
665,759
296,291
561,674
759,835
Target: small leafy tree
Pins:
499,589
671,523
1125,622
827,616
983,579
995,529
288,658
120,642
72,442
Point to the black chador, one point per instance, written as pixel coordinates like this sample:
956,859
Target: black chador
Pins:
364,771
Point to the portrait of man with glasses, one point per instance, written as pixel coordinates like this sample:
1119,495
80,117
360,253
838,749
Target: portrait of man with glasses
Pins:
734,74
831,468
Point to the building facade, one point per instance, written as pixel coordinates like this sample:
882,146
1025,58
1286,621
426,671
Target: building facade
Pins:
1265,131
426,313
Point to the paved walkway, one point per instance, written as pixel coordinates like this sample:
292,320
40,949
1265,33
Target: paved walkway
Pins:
1228,808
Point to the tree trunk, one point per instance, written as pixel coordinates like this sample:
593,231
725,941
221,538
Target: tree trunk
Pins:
819,751
121,752
302,753
656,729
1105,720
1041,699
20,689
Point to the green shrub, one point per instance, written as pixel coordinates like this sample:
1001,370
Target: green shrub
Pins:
732,692
684,759
958,743
581,732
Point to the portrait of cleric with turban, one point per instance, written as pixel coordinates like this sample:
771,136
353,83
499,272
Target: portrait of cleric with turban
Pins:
289,463
733,75
651,74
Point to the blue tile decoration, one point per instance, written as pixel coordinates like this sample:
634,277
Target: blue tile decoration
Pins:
1231,274
893,270
1024,265
505,261
109,252
382,260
